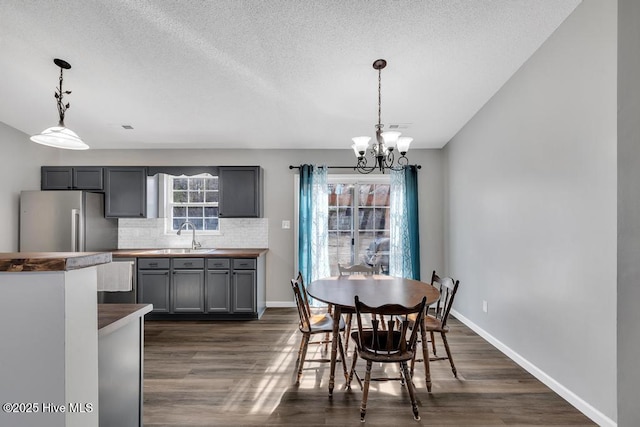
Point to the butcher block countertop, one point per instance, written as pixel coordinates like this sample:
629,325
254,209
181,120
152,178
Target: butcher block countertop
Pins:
187,253
114,316
14,262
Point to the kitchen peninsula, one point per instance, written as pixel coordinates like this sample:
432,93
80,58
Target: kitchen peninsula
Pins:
49,326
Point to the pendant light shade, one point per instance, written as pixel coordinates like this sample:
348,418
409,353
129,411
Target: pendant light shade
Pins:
60,136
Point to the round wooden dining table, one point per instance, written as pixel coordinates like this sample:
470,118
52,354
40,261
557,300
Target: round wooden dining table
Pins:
375,290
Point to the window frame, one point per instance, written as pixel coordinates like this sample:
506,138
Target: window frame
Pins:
168,203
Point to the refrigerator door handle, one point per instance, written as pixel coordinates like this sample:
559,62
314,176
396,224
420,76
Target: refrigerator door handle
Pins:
75,230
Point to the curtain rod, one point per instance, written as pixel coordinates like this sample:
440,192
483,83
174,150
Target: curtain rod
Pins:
343,167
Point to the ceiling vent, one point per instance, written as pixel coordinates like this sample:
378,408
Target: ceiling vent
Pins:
400,126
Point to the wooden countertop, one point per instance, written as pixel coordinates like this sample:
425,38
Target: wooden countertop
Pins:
115,316
213,253
51,261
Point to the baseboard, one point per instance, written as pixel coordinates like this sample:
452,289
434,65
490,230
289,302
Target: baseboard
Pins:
584,407
281,304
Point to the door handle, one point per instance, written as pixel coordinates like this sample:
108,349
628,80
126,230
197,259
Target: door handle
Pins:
75,230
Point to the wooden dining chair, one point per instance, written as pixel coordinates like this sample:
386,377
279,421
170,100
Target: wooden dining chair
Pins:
436,320
395,344
357,269
311,325
348,270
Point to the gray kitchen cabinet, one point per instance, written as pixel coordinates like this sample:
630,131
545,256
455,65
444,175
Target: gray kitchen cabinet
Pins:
244,285
244,291
125,190
71,178
187,285
240,190
218,291
218,286
203,288
231,285
154,283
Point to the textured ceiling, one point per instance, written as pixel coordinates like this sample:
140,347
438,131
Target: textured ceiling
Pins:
262,74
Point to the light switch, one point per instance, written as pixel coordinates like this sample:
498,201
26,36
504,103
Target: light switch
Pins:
286,224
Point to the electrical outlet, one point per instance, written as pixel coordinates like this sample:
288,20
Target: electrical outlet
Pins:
485,306
286,224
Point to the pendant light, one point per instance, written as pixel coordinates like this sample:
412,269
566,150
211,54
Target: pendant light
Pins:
60,136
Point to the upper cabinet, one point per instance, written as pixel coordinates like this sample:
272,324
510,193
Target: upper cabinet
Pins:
71,178
125,192
240,190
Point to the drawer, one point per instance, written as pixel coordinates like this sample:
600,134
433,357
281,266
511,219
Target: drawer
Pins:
188,263
153,263
244,264
218,263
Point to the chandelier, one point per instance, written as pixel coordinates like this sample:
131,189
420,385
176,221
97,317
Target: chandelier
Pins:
60,136
382,149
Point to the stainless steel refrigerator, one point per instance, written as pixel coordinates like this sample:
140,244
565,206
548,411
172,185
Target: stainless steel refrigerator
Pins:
65,221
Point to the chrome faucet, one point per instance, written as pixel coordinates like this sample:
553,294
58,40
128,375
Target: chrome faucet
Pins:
194,244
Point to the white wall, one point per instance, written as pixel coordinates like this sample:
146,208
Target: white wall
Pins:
532,212
279,195
628,212
19,170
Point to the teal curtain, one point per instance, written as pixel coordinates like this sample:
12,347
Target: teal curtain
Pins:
413,218
304,222
313,222
404,245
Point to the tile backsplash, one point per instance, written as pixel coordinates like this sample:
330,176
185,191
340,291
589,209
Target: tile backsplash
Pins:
136,233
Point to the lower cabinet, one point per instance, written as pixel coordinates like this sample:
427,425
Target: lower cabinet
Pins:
154,284
187,285
231,285
244,285
218,291
202,287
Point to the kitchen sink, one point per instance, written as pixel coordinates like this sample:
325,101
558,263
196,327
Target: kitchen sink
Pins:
170,251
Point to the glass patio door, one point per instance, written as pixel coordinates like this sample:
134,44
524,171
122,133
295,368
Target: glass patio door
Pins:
358,222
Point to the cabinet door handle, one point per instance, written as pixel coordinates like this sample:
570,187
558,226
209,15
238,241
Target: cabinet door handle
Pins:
188,264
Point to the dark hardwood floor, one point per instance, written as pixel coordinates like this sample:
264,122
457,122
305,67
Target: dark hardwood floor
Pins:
241,373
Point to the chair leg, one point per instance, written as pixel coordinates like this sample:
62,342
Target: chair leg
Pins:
347,332
303,355
342,358
433,343
446,347
352,370
411,390
300,349
365,391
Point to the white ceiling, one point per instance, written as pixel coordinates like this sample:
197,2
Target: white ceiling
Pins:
262,74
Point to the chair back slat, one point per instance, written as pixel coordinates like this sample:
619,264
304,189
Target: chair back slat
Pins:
448,288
